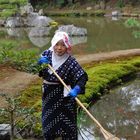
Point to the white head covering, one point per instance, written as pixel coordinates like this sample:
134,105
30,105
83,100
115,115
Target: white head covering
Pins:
60,35
57,61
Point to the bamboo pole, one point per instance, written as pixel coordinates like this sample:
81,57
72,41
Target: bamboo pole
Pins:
107,135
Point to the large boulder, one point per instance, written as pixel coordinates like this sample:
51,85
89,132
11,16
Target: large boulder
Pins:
13,22
72,30
35,20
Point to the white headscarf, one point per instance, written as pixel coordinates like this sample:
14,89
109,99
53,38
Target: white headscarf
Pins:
60,35
57,61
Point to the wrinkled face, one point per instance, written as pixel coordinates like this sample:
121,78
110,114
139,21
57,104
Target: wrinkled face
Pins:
60,48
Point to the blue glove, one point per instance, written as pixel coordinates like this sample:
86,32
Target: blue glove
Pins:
43,60
74,92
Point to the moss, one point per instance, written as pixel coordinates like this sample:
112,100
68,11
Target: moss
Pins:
32,94
102,76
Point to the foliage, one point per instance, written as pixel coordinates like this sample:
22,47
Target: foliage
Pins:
20,2
136,34
24,60
120,3
131,22
7,6
135,24
4,1
10,7
2,33
16,113
8,12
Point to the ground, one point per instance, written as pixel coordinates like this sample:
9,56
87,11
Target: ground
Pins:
13,81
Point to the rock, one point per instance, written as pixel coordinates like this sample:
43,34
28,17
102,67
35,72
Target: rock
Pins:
5,131
27,9
40,12
34,20
89,8
39,31
72,30
2,22
13,22
116,13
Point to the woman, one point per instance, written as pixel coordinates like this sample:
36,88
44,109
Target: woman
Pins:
59,113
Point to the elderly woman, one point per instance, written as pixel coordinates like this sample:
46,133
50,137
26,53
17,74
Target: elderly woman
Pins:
59,109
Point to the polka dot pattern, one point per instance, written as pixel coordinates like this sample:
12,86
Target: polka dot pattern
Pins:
59,113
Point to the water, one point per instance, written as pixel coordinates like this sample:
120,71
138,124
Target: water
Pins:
118,112
104,35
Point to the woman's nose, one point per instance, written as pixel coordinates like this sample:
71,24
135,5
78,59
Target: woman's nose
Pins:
59,47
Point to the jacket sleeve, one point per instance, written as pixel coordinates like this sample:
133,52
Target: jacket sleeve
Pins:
78,76
82,82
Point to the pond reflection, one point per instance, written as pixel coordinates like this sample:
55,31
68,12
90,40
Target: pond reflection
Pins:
118,112
40,41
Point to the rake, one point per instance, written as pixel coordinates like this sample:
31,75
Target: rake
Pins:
107,135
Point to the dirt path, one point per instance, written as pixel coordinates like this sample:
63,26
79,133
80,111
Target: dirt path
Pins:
107,56
13,81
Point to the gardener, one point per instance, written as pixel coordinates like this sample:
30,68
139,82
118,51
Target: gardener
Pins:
59,109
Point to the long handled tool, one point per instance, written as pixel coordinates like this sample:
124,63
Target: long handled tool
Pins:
107,135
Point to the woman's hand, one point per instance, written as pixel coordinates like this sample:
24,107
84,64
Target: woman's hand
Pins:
74,92
43,60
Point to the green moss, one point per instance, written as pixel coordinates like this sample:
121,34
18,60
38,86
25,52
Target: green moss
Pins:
101,76
31,96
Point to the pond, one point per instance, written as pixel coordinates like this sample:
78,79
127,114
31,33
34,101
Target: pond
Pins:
118,112
104,35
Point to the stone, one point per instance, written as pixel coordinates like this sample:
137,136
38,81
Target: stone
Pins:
5,131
